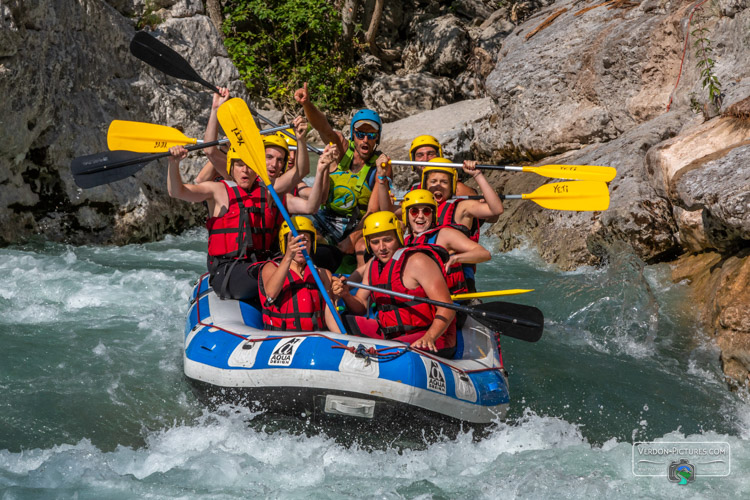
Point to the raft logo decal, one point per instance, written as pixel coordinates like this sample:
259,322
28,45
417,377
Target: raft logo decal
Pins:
435,377
283,353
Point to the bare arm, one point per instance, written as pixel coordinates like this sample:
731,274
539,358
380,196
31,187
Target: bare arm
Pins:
355,304
475,208
318,120
289,179
274,276
207,173
381,193
319,191
214,154
193,193
463,250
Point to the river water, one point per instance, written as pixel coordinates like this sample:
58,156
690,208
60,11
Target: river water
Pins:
93,403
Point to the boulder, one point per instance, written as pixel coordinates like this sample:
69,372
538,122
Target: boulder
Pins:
703,169
580,80
440,47
721,188
395,97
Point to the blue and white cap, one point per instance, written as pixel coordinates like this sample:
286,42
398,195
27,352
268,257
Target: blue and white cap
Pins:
367,116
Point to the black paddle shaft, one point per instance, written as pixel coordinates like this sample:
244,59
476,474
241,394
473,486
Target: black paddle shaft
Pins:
154,53
457,307
102,162
528,328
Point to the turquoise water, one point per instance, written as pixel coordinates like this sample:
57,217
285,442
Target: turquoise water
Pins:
93,403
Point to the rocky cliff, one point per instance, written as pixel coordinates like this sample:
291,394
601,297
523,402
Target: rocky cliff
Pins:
67,73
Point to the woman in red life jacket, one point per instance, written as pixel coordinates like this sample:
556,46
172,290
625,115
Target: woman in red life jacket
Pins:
417,271
420,215
425,148
288,293
243,222
441,182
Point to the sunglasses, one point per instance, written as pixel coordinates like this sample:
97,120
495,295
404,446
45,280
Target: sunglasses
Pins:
362,135
415,211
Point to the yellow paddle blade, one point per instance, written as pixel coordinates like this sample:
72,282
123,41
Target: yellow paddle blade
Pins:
575,172
494,293
237,122
142,137
580,196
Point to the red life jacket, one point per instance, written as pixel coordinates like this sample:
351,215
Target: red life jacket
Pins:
455,276
446,216
298,307
397,316
249,228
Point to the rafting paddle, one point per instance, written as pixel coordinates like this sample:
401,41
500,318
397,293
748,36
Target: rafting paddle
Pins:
579,196
493,293
513,320
572,172
102,168
143,137
154,53
236,120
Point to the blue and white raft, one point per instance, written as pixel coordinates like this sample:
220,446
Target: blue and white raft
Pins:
229,357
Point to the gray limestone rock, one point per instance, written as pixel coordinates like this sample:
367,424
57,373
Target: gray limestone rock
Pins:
83,77
440,47
395,97
721,188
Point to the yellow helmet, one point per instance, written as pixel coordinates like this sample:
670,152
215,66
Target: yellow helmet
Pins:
380,222
418,197
424,140
301,224
289,140
448,170
232,155
274,141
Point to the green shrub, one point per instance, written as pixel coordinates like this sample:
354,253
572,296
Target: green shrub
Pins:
149,18
279,44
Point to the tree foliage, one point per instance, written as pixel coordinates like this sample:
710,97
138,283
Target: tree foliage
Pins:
279,44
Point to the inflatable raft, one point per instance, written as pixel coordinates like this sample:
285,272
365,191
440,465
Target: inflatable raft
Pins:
229,357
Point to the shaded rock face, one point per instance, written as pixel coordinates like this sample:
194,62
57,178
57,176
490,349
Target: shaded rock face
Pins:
440,47
400,96
68,71
439,52
726,281
721,188
581,80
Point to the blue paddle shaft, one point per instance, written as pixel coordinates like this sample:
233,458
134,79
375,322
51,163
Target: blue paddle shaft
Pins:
309,261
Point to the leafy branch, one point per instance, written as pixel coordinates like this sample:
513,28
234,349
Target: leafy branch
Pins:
709,80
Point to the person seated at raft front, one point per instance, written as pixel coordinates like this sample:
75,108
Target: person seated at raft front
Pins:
243,222
416,270
353,191
276,150
419,212
425,148
289,296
